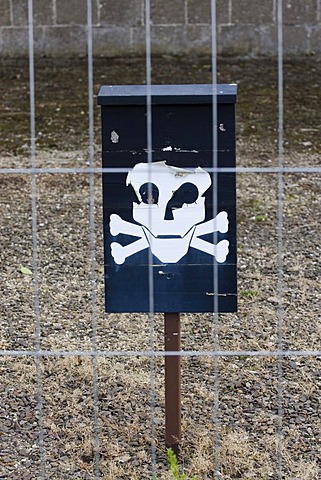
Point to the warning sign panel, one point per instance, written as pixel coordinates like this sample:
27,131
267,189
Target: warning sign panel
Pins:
167,219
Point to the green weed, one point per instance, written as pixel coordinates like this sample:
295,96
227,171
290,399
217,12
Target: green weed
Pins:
261,218
249,293
174,468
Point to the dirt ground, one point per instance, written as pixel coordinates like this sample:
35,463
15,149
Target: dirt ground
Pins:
248,386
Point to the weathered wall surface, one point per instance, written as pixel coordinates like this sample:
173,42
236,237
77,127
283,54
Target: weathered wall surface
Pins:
245,27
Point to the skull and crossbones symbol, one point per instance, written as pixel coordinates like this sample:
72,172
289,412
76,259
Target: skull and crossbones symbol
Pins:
168,215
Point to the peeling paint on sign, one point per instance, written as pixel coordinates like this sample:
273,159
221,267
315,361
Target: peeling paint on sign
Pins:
114,137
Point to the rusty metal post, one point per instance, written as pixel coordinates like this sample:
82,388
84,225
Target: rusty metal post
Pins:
172,381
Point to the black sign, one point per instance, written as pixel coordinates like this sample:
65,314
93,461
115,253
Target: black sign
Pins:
163,211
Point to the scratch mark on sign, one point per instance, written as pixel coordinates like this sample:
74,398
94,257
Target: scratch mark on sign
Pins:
185,151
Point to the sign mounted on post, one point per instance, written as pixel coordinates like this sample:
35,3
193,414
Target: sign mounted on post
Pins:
166,207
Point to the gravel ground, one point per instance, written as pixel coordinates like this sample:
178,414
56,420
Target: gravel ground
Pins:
248,386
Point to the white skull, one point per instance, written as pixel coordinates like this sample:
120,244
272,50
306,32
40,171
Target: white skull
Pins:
171,204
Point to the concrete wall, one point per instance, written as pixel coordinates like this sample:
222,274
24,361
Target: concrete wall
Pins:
245,27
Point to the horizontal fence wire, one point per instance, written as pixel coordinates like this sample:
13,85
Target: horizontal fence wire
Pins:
161,353
97,170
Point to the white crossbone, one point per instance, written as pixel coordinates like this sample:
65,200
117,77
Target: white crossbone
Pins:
120,226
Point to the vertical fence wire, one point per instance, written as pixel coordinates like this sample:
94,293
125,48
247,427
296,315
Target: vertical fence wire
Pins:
280,235
215,316
150,255
35,236
92,236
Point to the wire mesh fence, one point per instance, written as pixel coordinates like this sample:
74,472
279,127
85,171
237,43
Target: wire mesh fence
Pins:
88,385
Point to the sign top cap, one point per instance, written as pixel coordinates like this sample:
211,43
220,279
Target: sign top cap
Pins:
167,94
